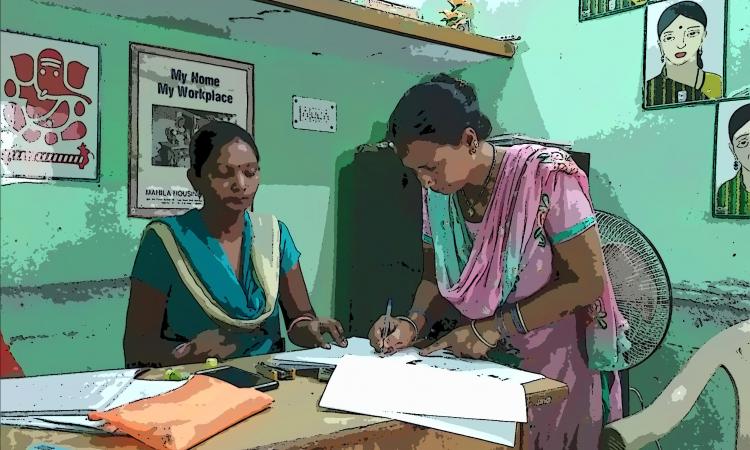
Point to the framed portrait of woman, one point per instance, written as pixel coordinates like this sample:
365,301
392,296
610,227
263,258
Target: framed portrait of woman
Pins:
592,9
731,191
684,52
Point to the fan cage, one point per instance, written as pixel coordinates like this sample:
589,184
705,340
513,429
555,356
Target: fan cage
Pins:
640,283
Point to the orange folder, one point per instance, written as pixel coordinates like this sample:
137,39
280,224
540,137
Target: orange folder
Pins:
187,416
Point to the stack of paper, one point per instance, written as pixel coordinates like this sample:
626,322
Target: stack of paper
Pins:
397,387
322,358
475,398
317,358
62,402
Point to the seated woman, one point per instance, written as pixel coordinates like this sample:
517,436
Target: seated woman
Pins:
212,282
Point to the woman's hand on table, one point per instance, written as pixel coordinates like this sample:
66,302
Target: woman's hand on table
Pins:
209,343
464,343
311,333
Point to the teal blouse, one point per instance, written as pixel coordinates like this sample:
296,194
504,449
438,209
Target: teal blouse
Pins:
184,318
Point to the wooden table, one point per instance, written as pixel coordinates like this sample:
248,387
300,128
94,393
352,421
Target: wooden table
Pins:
296,421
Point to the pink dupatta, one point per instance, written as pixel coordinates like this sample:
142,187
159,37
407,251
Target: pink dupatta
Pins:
477,277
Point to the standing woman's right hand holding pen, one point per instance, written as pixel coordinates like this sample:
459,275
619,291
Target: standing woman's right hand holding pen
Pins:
403,333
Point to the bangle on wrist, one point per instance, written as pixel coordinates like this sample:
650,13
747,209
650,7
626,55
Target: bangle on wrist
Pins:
418,312
501,328
414,325
515,315
299,319
479,336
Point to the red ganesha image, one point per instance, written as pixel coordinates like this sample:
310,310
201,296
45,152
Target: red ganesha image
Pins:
38,103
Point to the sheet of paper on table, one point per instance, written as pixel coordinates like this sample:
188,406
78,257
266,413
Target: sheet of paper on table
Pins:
66,394
103,396
395,386
318,357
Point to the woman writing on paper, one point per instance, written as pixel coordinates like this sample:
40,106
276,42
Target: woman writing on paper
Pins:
213,281
510,241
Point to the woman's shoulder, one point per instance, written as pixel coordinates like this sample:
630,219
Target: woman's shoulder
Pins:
712,85
712,77
185,219
728,185
264,218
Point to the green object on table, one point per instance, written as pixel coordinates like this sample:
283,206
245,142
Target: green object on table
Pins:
175,375
211,363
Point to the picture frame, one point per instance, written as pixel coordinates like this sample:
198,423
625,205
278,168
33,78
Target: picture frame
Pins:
668,77
172,94
595,9
730,198
50,121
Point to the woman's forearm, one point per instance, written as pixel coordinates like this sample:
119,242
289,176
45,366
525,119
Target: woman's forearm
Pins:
294,298
580,273
143,343
426,305
555,301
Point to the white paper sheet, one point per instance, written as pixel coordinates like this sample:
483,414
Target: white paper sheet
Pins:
40,423
497,432
315,358
133,391
503,433
393,386
444,360
67,394
320,357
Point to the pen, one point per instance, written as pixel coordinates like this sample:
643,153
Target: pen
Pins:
386,324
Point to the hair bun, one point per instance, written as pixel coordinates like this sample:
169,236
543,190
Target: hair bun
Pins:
460,85
445,78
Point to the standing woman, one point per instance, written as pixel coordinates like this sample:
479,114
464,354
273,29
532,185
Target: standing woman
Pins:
510,241
213,281
681,30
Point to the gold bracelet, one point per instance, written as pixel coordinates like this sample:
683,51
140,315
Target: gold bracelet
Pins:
479,336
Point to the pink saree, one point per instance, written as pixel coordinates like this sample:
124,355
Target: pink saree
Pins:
541,199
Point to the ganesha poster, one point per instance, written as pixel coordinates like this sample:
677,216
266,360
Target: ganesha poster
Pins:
50,108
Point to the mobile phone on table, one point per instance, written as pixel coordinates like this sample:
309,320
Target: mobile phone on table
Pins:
240,378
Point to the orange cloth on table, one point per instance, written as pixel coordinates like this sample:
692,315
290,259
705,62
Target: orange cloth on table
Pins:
188,415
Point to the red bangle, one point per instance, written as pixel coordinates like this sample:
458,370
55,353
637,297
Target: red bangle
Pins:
301,318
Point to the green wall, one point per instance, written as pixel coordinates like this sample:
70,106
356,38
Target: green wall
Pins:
57,237
581,82
569,81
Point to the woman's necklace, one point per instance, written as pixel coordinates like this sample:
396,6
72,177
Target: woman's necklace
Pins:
472,205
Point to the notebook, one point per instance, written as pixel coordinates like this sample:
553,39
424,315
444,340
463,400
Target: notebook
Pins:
68,394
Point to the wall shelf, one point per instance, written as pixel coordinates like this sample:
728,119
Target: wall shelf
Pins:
344,11
318,27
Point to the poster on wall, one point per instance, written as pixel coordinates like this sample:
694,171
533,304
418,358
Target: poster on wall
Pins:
684,52
732,160
172,94
591,9
50,109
